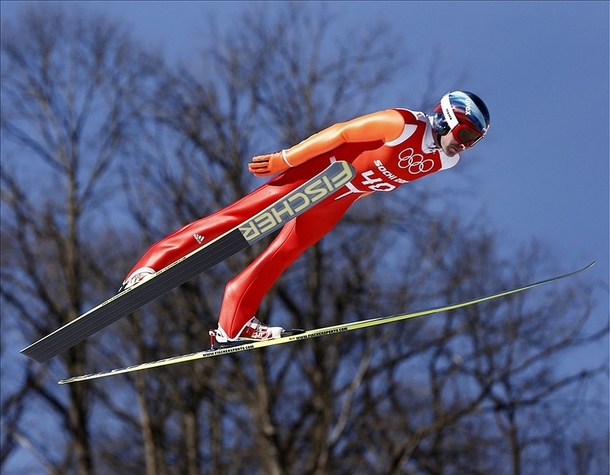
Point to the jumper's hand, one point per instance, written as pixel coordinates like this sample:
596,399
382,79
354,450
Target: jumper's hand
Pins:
270,164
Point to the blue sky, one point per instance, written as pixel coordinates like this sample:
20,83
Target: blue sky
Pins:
541,67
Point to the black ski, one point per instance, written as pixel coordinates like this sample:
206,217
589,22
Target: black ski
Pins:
264,223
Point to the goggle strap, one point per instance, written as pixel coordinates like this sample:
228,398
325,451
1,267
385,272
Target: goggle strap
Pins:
450,117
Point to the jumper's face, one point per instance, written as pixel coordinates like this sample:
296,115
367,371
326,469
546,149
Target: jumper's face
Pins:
450,145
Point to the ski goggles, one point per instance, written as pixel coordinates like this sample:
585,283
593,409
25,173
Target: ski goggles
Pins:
466,135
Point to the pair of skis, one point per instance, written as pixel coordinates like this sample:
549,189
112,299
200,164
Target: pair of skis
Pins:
331,330
271,219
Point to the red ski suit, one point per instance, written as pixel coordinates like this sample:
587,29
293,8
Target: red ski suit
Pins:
387,149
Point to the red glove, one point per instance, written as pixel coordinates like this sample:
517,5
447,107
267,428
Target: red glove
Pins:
270,164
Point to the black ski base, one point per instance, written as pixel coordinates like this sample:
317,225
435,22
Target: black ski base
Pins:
134,298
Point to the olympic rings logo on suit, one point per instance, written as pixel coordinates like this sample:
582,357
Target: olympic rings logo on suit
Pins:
415,163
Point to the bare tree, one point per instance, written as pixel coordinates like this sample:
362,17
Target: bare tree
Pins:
472,391
72,87
314,407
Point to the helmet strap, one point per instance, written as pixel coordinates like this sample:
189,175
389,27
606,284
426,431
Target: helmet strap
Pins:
437,139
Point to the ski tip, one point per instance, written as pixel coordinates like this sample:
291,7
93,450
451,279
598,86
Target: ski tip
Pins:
587,266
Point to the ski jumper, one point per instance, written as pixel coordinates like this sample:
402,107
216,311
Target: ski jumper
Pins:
387,149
